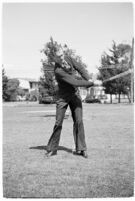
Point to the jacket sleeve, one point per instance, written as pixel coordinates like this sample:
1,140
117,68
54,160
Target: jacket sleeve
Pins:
81,70
70,79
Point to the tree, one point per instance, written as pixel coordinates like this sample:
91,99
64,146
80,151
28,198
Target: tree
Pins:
12,89
4,85
47,84
115,63
20,91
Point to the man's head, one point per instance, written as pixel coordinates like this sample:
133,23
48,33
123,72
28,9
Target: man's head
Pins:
54,52
60,54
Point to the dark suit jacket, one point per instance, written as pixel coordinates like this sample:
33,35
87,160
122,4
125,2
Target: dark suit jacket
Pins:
67,82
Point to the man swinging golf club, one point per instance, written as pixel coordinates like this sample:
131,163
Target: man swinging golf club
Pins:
68,95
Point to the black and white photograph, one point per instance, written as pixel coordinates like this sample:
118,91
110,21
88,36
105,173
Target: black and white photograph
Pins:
67,99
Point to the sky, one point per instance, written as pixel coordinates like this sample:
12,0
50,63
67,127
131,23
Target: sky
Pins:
88,28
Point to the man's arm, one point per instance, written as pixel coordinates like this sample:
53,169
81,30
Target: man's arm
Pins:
81,70
70,79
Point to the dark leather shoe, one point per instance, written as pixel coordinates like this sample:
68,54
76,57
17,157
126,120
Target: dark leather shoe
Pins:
76,152
84,154
81,153
51,153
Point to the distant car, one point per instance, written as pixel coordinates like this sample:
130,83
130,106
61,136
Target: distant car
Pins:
89,99
46,99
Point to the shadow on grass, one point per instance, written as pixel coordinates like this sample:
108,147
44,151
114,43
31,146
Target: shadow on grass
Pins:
59,148
49,115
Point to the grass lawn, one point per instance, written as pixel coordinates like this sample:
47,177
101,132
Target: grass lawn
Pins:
108,172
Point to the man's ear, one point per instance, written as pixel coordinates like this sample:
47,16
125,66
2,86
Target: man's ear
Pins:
56,59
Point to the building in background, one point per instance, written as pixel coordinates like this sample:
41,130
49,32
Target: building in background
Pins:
30,87
28,84
93,92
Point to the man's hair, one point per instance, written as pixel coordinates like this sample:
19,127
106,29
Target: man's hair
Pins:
51,48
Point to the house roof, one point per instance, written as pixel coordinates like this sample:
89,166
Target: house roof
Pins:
28,79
